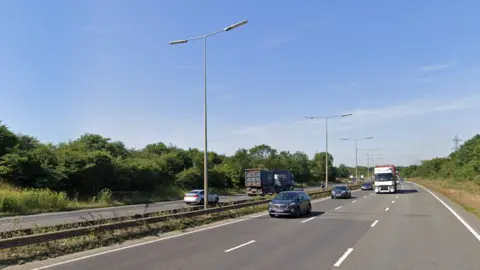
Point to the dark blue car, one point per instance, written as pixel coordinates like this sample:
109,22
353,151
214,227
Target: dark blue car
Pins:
366,186
290,203
341,192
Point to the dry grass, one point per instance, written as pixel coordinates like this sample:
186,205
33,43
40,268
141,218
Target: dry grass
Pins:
16,201
465,193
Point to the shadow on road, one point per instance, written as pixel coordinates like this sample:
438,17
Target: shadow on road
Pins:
406,191
352,198
312,214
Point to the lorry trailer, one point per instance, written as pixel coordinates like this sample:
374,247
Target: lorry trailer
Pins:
268,181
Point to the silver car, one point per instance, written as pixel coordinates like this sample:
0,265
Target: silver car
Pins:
197,196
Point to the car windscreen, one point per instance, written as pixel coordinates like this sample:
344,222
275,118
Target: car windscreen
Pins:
286,196
384,177
340,188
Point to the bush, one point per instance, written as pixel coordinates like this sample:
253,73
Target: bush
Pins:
462,165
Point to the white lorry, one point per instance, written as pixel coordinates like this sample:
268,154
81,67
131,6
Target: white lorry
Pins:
385,179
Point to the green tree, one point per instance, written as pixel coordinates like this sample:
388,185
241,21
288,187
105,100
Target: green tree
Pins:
319,166
8,140
461,165
85,166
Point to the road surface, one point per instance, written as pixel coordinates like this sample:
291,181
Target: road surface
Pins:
50,219
410,230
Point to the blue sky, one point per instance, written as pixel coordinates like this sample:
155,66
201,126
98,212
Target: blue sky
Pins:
409,71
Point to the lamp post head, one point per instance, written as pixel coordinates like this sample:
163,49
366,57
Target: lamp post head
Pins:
175,42
233,26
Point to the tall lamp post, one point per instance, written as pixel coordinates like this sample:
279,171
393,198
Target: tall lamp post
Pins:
356,151
368,158
372,158
326,139
205,155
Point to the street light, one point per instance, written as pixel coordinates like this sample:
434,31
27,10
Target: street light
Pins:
205,156
371,156
356,151
368,158
326,139
375,159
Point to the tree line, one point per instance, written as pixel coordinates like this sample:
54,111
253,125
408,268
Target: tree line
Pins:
91,163
462,165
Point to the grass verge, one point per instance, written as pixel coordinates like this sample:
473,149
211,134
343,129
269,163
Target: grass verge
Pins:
99,238
15,201
464,193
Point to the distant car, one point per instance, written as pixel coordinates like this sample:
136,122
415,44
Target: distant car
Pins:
197,196
290,203
341,192
366,186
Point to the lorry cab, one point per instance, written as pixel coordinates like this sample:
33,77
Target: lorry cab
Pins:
385,179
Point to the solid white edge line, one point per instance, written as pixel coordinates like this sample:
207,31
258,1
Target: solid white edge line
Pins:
386,209
469,228
344,256
162,239
338,207
374,223
354,201
239,246
145,243
307,220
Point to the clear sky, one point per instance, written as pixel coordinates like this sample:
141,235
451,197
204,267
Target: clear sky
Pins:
408,70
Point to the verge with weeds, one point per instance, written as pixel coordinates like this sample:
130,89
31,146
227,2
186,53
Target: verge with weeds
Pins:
28,201
15,201
101,238
464,193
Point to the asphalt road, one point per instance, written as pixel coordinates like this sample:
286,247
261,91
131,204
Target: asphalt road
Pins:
410,230
50,219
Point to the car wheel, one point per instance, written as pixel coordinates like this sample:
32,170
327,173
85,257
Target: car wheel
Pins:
333,197
217,200
272,215
201,202
309,209
297,212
